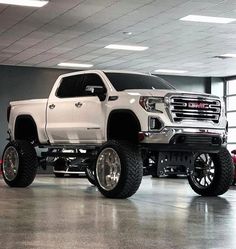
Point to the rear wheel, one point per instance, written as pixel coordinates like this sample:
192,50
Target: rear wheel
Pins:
119,169
19,164
90,176
213,173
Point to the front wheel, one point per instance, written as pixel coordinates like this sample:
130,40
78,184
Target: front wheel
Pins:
119,169
19,164
213,173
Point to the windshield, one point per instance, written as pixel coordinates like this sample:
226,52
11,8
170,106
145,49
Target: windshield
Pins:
126,81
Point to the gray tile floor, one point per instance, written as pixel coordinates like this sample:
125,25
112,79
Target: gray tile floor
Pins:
70,213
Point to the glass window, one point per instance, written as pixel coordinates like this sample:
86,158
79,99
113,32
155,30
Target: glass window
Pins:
126,81
231,116
231,87
231,103
232,135
231,147
91,80
71,87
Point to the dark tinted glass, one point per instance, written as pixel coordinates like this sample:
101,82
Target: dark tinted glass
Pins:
125,81
91,80
71,87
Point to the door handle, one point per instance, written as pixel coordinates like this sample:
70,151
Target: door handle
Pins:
78,104
52,106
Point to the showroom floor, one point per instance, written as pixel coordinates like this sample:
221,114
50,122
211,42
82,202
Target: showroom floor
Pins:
70,213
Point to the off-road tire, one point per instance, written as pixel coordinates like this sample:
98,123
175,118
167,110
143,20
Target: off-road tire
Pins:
131,170
223,177
28,164
91,179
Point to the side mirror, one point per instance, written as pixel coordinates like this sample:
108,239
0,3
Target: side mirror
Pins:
99,91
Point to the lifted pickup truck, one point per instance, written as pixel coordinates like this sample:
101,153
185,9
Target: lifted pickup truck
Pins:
121,125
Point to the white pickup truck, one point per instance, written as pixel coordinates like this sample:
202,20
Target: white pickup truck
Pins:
121,125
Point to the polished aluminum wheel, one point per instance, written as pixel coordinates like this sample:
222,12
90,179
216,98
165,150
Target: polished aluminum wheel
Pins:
108,169
10,164
204,171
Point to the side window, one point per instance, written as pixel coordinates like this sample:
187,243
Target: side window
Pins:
71,87
91,80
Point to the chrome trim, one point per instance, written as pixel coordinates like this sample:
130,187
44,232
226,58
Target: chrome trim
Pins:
167,133
149,123
108,169
179,111
10,163
68,172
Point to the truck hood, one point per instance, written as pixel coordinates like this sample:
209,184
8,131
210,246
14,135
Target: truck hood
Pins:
163,93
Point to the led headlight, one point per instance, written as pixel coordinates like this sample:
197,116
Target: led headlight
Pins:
151,104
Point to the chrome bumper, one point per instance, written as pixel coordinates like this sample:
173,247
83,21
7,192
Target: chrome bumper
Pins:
165,136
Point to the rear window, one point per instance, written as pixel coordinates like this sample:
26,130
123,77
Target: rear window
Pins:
126,81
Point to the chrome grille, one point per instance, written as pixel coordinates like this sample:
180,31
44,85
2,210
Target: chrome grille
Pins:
194,108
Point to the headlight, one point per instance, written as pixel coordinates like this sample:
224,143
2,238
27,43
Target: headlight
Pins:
151,104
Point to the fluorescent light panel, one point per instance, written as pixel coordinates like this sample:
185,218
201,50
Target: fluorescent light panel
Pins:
208,19
29,3
170,71
228,55
126,47
79,65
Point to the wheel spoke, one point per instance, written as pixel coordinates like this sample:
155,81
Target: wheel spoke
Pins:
204,171
10,163
108,169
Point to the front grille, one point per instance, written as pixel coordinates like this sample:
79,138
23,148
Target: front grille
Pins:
195,108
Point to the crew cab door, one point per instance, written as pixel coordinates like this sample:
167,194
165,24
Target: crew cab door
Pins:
89,115
75,113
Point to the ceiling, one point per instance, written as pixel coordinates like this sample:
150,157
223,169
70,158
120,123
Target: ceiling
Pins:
77,31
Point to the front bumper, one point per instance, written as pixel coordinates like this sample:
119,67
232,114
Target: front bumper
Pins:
184,139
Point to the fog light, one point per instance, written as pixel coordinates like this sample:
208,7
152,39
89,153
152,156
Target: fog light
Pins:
155,123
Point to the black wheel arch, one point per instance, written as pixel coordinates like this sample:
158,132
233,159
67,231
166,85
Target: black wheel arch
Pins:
123,124
25,128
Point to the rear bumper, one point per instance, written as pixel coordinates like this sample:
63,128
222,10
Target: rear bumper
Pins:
184,139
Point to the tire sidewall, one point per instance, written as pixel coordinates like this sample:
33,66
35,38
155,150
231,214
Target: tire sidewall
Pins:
18,145
219,166
124,169
19,152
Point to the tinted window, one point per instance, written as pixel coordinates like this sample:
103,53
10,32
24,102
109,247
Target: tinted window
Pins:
71,87
125,81
91,80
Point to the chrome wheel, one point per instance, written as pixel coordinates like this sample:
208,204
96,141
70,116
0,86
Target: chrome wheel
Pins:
204,171
108,169
10,164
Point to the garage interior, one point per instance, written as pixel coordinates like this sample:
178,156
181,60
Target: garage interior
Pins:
197,56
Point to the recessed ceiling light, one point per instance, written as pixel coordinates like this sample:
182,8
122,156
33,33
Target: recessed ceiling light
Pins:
170,71
29,3
76,65
127,33
228,55
208,19
126,47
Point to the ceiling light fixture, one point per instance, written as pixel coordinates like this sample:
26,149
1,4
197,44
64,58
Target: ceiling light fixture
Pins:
76,65
207,19
170,71
127,33
126,47
228,55
28,3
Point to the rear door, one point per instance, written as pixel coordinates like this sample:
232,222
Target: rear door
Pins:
61,124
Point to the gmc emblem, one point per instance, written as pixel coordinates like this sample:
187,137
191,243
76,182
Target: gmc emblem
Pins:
198,105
